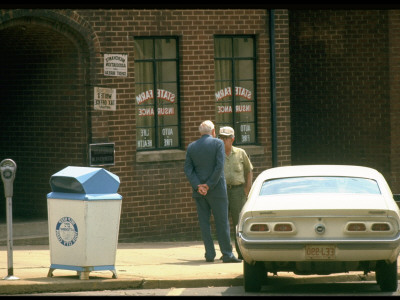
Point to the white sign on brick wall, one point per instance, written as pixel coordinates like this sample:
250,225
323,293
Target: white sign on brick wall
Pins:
116,65
105,99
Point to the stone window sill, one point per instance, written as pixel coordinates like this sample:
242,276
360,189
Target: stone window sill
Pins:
173,155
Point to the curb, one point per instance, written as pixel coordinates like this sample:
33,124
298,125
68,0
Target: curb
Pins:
73,285
66,285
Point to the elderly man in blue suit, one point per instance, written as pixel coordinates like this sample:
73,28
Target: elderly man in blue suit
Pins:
204,167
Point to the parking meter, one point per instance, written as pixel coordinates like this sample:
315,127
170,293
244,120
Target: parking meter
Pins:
8,168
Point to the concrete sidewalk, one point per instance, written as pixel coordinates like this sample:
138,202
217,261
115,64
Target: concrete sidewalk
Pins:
138,266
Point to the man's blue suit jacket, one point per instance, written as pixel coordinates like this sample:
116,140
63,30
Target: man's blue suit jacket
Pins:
205,164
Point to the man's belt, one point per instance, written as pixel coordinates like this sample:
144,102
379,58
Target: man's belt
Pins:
231,186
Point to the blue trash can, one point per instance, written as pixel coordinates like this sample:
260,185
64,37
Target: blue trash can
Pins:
84,211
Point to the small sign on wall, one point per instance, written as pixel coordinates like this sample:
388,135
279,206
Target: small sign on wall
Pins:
115,65
101,154
105,99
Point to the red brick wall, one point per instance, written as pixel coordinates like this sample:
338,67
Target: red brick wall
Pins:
340,100
163,184
157,201
284,146
394,63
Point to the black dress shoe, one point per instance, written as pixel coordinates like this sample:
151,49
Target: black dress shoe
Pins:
231,259
209,259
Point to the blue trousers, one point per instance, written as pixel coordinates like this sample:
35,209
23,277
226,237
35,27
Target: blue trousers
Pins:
219,208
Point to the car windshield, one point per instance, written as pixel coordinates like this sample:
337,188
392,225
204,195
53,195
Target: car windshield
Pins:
319,184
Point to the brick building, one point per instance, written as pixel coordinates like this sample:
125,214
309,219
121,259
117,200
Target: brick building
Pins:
345,103
326,92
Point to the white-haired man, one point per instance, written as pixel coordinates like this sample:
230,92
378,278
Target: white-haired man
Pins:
204,168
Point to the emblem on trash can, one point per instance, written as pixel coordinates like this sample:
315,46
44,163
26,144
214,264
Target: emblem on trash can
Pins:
67,231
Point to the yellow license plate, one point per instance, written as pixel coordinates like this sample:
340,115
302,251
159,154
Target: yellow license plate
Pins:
320,252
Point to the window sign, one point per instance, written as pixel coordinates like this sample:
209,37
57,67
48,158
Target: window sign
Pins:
116,65
235,103
145,138
157,98
101,154
228,91
168,136
105,99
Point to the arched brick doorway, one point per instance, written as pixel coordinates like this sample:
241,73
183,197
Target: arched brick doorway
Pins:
43,108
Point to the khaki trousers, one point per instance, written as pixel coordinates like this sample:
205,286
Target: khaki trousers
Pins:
237,198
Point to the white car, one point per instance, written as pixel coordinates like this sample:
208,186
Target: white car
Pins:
319,219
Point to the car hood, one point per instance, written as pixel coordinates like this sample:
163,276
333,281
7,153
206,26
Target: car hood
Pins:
363,203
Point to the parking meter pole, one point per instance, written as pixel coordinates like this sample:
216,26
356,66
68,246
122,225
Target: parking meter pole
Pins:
8,169
10,264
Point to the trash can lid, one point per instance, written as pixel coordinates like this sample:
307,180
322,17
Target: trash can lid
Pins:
84,180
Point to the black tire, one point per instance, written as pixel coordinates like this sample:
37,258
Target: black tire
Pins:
253,276
386,276
378,276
